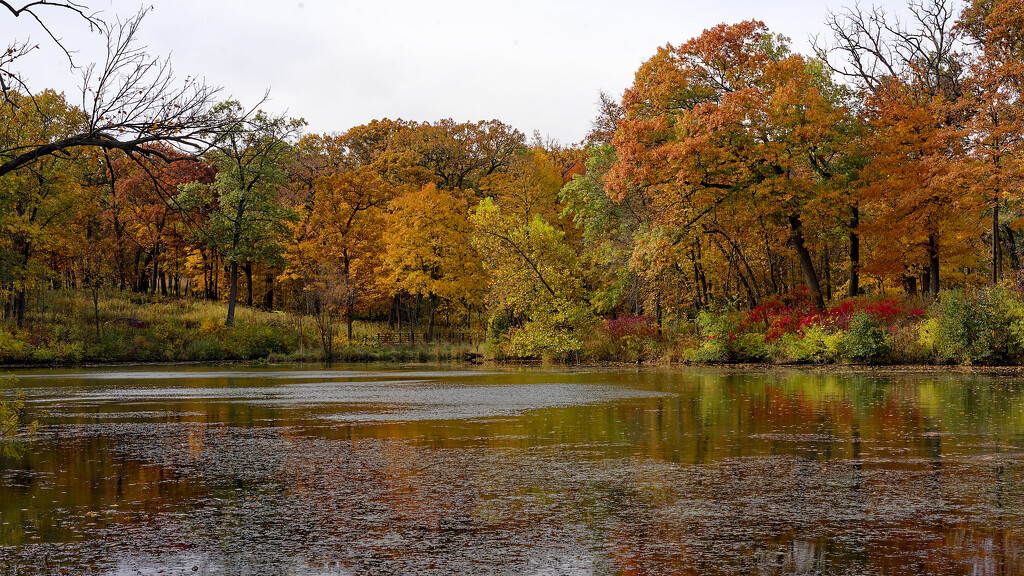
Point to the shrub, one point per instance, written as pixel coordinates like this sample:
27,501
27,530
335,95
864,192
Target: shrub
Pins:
750,347
972,327
12,348
814,344
248,341
796,313
864,341
626,338
722,338
905,344
716,329
206,348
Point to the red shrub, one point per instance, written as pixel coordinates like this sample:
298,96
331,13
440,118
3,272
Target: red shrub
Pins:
796,312
627,325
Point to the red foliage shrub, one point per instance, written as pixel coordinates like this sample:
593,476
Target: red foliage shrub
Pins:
627,325
796,312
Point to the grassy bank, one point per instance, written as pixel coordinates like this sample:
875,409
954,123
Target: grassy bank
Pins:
62,329
983,326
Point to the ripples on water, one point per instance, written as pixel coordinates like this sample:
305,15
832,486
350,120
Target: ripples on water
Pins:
536,473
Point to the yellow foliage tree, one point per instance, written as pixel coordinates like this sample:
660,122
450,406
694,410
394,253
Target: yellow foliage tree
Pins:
428,254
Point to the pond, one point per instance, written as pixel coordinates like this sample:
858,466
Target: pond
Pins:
537,472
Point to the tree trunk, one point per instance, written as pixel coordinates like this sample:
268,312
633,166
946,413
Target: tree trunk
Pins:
806,264
657,308
771,270
154,272
232,295
19,307
268,298
143,283
248,284
414,316
997,261
826,266
430,322
734,256
348,319
1011,248
96,309
398,313
910,285
933,265
854,236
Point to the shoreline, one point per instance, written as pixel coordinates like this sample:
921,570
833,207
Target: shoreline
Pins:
994,370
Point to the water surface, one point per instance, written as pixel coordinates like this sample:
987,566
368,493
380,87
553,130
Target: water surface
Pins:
534,472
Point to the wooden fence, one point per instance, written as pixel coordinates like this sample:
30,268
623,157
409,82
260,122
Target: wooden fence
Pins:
405,337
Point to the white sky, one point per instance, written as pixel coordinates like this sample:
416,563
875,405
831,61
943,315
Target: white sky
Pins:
533,64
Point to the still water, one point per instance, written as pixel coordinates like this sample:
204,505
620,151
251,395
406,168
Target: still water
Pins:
532,472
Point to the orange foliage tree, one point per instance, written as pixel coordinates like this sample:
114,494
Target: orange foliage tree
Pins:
733,121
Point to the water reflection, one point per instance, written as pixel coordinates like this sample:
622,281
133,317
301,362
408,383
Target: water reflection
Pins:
519,472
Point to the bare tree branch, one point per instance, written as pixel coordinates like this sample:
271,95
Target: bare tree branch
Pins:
131,101
9,79
869,46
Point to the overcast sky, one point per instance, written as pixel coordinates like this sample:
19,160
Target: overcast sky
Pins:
534,64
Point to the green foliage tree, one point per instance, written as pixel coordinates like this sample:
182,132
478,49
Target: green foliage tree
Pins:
535,282
243,217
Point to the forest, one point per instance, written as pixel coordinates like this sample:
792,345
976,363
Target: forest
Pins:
739,203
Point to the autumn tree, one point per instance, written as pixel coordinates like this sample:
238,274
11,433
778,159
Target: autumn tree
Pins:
37,200
732,119
609,233
537,289
528,187
461,154
343,183
340,237
909,77
606,123
428,253
149,226
994,114
244,219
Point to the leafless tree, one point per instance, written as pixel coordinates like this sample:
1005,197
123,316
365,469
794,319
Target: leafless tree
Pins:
131,100
610,113
870,45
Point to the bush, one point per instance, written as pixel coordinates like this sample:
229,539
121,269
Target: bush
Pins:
972,327
248,341
206,348
864,341
722,339
716,329
59,352
814,344
750,347
626,338
905,345
12,348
